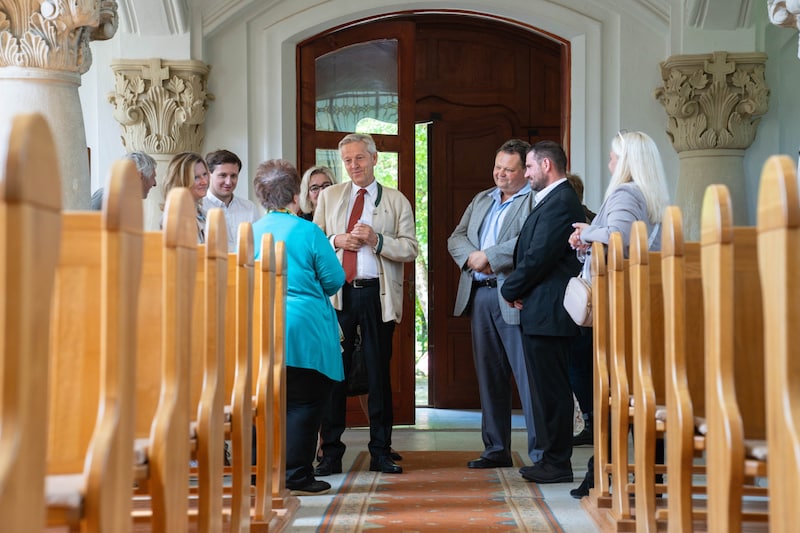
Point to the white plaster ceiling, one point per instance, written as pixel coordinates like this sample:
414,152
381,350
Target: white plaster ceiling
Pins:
154,17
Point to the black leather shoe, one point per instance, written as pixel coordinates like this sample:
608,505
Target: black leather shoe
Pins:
583,488
543,472
483,462
309,489
384,464
328,467
394,455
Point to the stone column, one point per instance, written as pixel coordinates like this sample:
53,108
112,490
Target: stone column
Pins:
713,102
161,107
44,49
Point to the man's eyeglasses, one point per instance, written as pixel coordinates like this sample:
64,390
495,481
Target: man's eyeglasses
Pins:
317,188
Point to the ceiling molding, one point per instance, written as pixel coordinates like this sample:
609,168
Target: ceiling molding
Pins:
154,17
719,14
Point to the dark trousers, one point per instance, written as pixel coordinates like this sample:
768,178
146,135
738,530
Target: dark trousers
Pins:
307,391
362,308
552,396
580,370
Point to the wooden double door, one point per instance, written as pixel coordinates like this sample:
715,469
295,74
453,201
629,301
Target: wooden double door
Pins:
476,83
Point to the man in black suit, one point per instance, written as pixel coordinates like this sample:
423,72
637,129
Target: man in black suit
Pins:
543,264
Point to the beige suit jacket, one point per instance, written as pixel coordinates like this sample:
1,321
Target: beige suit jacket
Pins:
393,222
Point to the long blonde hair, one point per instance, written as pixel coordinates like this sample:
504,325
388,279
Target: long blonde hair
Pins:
640,162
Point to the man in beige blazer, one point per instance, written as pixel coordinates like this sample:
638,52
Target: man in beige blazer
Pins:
381,239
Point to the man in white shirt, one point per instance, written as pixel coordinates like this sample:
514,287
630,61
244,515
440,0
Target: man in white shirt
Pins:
224,167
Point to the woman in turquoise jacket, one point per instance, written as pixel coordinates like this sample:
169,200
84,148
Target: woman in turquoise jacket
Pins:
313,350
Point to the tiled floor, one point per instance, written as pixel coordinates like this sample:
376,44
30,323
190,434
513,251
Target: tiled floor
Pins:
438,429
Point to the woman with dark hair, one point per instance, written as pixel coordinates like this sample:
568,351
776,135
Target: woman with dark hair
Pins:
313,354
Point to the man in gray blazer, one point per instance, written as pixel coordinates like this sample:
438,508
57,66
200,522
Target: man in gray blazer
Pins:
482,245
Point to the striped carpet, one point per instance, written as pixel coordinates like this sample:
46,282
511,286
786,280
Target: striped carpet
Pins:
437,492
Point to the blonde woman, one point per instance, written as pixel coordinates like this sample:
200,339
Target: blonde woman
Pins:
315,180
638,191
189,169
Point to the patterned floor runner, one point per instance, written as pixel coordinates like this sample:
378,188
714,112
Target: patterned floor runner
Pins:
437,492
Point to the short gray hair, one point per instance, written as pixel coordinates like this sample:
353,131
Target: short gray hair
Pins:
365,138
276,182
145,164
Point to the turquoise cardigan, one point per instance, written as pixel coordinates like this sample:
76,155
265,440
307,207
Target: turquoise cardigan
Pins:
314,273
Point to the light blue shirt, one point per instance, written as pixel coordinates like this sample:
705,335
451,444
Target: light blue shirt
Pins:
494,221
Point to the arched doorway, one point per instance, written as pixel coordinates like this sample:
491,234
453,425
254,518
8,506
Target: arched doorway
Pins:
477,82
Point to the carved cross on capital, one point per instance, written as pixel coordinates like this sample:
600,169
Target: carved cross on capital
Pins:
155,73
713,101
719,67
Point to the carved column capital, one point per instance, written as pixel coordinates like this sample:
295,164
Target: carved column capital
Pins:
714,101
785,13
54,34
161,105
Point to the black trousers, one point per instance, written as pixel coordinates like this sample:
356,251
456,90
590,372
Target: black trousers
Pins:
361,307
307,391
552,396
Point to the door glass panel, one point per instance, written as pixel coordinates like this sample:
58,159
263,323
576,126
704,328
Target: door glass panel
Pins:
385,170
357,82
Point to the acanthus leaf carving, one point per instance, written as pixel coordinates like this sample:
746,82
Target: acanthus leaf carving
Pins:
54,34
161,113
713,101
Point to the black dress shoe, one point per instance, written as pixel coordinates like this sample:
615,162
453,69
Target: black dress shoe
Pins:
543,472
309,489
483,462
394,455
583,488
328,467
384,464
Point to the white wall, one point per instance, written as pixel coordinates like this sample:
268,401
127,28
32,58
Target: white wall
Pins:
617,46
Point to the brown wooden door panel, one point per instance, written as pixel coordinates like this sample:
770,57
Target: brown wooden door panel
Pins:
480,82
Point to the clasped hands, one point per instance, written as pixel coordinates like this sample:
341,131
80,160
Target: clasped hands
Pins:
362,234
575,238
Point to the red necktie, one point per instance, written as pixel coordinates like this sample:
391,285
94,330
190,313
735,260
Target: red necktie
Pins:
349,258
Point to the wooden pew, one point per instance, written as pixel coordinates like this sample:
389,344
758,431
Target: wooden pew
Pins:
599,496
207,386
92,357
734,361
647,335
238,373
684,380
620,370
163,368
263,339
779,264
30,226
284,503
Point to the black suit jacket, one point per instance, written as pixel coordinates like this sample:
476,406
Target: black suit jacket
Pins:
544,262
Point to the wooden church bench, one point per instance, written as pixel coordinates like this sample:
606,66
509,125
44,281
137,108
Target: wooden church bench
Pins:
30,226
89,483
779,265
734,362
620,372
207,370
599,496
647,335
164,340
283,503
264,343
684,367
238,375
